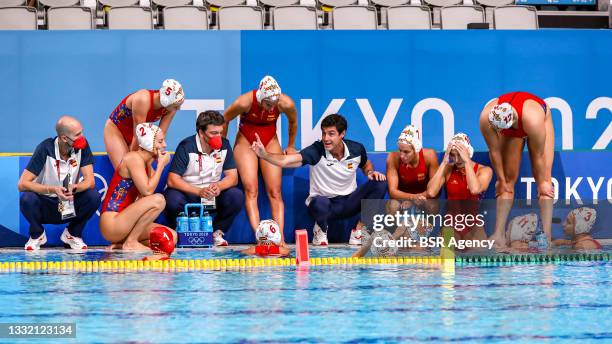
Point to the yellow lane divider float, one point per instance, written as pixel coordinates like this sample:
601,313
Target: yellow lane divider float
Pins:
204,264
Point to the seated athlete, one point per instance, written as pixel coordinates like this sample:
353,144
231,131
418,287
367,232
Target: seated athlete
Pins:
521,231
161,242
409,170
131,204
465,182
268,241
577,226
259,111
142,106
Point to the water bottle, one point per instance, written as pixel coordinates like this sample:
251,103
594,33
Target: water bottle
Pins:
194,222
206,224
182,223
542,240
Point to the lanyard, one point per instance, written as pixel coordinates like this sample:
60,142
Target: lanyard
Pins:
200,166
57,168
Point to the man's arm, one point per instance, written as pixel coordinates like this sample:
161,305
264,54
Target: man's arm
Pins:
176,181
229,180
368,170
27,183
282,160
88,182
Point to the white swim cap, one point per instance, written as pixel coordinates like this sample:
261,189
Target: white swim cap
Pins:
268,231
268,88
464,140
501,116
171,93
585,218
384,250
423,229
146,132
522,228
411,135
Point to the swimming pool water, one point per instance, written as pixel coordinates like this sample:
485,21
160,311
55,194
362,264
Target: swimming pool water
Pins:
566,302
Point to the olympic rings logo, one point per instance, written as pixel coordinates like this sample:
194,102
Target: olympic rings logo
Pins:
196,240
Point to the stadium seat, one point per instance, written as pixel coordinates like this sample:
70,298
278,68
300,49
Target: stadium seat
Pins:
185,18
279,3
409,18
18,18
442,3
337,3
240,18
59,3
515,18
390,3
172,3
226,3
12,3
119,3
70,18
489,6
130,18
458,17
354,18
295,18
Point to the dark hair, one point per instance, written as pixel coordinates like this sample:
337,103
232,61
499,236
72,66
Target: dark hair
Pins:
209,117
335,120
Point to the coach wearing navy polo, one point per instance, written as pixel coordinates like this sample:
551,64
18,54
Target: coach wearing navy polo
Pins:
333,184
44,199
195,174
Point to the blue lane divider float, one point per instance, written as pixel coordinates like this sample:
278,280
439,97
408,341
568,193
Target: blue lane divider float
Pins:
531,258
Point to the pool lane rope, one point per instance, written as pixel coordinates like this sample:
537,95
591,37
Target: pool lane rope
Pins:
532,258
204,264
178,265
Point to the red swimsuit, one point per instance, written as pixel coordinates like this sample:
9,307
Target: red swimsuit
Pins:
461,201
122,117
267,250
120,194
517,99
413,179
259,121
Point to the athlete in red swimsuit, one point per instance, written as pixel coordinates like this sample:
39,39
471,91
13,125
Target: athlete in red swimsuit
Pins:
259,111
131,204
578,226
506,123
465,181
139,107
409,170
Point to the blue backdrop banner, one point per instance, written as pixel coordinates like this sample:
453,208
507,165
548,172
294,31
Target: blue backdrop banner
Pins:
380,81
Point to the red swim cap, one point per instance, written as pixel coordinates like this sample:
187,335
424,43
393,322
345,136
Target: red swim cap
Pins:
161,240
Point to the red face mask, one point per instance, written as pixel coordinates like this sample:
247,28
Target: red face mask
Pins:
79,143
215,142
